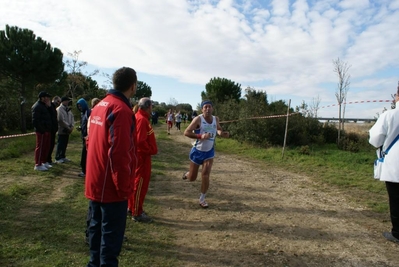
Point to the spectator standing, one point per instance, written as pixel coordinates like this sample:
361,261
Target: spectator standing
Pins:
194,114
41,121
95,101
384,133
54,126
84,117
154,118
111,164
146,147
65,127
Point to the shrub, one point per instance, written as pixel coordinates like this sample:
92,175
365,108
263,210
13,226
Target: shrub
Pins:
304,150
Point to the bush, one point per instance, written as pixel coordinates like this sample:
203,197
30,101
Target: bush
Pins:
304,150
350,142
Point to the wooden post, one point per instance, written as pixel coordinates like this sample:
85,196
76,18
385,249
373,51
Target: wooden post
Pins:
286,127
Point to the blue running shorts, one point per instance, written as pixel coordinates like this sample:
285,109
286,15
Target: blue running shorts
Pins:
198,157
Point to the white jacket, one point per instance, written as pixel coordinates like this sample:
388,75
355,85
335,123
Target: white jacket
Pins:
383,132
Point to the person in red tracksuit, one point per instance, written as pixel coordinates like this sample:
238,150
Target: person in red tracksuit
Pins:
146,147
110,168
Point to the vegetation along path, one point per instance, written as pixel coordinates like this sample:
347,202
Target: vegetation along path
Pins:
265,217
259,215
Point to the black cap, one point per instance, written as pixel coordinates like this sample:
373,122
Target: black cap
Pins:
65,98
44,94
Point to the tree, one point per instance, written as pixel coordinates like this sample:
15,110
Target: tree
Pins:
143,90
309,111
219,90
76,79
315,106
29,61
172,102
341,68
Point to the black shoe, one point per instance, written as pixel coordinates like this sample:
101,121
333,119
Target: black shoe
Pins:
144,218
390,237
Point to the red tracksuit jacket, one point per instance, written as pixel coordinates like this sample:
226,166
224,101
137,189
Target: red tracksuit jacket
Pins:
146,146
111,154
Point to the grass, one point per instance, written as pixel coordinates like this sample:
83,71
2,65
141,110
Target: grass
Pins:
39,229
43,215
330,168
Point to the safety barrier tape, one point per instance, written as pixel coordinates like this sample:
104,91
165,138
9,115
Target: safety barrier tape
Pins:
357,102
15,135
262,117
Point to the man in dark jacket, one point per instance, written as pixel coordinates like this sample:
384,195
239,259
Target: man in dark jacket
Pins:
84,116
111,164
41,121
54,126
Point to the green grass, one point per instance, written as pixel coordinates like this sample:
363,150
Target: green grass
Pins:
350,173
37,229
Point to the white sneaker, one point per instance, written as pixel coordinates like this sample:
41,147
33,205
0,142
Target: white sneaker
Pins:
82,174
66,160
40,168
47,165
60,161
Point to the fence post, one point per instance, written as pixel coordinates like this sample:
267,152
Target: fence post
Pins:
286,127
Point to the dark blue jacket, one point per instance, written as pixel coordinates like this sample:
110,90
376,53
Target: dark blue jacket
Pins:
84,115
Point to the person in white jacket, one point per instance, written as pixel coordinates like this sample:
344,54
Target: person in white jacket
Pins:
383,133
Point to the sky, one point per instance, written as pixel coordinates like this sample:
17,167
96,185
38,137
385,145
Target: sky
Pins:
283,47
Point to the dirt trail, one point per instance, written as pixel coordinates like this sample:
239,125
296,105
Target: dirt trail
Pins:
268,217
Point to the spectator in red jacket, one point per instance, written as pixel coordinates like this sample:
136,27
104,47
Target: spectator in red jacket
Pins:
111,163
146,147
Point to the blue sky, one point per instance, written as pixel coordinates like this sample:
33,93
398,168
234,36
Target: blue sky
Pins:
283,47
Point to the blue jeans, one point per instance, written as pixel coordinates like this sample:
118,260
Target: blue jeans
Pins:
106,231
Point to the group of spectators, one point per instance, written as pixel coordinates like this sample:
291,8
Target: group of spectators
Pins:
50,118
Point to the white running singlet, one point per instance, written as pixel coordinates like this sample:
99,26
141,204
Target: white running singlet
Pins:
206,144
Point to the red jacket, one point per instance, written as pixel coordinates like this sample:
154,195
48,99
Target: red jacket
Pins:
146,144
111,155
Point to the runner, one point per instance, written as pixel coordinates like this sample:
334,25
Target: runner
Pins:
203,128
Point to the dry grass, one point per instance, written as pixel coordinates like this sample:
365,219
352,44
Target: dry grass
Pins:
359,128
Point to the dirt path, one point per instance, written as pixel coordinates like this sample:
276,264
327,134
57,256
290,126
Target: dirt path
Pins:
268,217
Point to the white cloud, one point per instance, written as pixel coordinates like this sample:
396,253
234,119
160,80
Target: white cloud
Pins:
287,45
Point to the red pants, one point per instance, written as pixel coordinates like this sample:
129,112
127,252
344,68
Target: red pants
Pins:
141,183
42,147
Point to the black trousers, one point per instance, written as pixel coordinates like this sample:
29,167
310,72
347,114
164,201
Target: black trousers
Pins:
52,144
83,157
62,146
393,194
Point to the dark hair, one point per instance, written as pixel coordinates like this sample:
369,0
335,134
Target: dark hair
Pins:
124,78
203,103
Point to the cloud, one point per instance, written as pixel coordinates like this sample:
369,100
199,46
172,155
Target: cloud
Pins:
288,46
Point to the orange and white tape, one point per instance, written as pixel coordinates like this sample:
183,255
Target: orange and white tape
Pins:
358,102
262,117
15,135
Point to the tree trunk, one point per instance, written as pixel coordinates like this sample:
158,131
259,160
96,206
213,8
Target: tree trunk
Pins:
22,105
339,125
